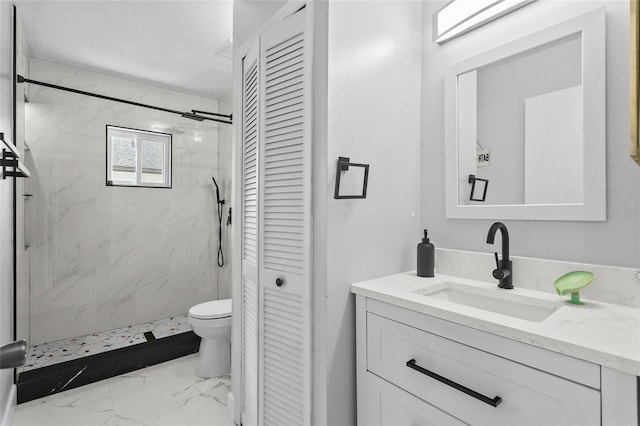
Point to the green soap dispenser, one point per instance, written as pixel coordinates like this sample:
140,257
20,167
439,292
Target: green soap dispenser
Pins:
425,257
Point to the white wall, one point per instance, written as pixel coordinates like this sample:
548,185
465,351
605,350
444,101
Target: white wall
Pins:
249,16
373,118
614,242
108,257
6,209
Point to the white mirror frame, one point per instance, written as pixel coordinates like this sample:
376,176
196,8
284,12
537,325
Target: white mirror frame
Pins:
592,27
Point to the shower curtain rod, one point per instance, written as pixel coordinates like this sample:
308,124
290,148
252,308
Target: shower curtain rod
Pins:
193,114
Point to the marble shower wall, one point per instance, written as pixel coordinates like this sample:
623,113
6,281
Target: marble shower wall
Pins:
108,257
225,162
22,252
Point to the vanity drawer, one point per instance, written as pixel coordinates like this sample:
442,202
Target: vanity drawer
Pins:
392,406
527,395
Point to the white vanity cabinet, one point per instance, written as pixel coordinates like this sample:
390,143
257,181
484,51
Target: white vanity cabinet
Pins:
415,369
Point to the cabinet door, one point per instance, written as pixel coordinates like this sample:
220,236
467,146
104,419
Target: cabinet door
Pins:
250,133
284,222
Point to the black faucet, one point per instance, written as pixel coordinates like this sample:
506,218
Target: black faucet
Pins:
504,268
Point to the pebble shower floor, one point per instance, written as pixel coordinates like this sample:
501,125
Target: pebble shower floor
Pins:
51,353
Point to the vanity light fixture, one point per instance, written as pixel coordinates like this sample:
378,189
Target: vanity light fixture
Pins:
461,16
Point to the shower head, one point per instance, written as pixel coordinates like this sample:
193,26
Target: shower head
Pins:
192,116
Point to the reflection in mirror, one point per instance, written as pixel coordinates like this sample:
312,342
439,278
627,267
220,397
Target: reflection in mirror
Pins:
528,111
529,116
478,188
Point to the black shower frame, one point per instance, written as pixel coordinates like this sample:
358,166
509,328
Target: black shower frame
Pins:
193,114
14,129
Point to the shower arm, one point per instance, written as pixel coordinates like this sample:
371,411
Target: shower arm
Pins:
191,115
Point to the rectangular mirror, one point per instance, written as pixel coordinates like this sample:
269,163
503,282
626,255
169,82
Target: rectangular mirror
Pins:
529,117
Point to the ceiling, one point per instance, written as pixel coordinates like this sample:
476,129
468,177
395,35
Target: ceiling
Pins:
169,44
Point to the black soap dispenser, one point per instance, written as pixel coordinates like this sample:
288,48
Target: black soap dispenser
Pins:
425,257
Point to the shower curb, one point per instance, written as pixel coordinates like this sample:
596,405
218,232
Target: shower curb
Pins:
44,381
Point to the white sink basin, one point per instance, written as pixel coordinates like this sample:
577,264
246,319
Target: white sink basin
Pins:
495,300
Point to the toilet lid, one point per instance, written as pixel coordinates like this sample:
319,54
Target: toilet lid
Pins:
212,310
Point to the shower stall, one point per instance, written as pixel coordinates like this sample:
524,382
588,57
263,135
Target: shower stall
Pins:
103,266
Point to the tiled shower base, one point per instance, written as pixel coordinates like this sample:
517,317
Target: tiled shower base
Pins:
59,351
66,364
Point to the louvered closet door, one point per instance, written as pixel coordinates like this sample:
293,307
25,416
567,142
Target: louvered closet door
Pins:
250,293
284,225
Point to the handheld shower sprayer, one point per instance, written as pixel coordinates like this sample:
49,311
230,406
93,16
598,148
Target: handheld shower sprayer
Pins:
220,204
217,191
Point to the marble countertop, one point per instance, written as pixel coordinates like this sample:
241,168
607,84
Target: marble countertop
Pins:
602,333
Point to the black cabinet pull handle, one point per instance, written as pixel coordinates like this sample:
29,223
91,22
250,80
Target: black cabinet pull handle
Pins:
494,402
279,282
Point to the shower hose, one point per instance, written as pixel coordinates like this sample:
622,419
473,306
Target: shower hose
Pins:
220,253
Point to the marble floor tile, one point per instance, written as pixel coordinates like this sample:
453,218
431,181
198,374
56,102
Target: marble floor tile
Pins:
87,405
165,394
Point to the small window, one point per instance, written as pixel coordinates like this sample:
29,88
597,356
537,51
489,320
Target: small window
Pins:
138,158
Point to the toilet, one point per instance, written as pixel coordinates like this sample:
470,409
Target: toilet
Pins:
212,322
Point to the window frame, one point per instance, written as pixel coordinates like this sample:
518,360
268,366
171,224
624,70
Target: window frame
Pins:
165,138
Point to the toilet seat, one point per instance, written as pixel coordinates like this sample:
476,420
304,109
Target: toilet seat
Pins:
211,310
